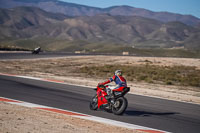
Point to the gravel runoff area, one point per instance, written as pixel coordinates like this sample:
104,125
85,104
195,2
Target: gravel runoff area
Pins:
19,119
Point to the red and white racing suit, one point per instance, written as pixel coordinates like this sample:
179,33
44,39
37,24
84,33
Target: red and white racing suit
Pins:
120,82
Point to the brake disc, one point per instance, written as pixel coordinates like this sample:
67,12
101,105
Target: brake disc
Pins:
117,104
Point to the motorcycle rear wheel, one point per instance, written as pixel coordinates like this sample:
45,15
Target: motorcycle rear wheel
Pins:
94,103
120,106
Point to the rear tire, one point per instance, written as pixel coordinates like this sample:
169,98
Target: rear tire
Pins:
94,103
120,106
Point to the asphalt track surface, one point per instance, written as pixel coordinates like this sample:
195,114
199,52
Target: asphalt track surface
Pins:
177,117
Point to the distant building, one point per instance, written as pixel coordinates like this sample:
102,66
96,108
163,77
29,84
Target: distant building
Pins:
80,52
77,52
125,53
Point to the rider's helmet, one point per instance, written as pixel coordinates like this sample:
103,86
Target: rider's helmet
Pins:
118,72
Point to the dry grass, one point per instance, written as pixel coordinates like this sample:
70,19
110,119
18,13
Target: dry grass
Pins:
149,70
176,75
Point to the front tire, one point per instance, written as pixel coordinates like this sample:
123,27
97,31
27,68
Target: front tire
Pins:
120,106
94,103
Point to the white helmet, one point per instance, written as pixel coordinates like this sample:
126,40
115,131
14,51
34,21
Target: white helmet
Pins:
118,72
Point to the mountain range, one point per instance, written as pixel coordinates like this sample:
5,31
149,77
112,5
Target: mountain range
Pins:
71,9
65,26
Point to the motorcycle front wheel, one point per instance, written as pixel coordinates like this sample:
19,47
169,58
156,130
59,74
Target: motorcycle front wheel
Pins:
120,106
94,103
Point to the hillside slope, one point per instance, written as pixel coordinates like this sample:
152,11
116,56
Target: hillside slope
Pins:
25,26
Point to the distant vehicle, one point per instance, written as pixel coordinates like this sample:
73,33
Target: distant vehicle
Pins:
117,104
36,50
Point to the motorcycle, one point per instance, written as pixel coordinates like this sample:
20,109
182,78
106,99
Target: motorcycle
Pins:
36,50
108,100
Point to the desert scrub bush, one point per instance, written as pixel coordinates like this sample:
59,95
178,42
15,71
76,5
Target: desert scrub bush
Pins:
176,75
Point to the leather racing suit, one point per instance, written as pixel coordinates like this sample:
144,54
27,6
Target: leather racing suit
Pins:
120,81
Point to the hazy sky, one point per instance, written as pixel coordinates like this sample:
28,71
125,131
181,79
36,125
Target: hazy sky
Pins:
191,7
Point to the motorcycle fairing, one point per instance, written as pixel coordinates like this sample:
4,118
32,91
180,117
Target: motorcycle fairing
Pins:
101,97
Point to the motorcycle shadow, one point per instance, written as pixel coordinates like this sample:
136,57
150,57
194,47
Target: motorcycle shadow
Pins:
147,114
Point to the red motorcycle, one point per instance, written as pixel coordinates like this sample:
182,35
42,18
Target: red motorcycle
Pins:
111,101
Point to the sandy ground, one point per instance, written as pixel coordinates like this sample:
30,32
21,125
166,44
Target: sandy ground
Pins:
20,119
17,119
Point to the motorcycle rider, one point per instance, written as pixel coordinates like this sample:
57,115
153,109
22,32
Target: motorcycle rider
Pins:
119,80
37,49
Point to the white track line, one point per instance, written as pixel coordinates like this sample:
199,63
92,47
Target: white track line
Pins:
82,116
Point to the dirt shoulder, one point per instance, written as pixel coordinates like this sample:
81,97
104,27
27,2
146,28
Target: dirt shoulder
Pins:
18,119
